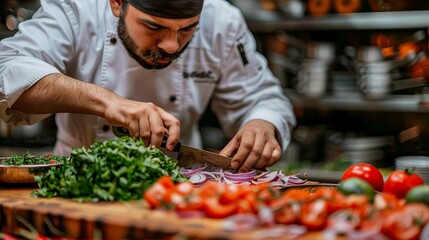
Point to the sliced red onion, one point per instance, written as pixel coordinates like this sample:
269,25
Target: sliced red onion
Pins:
245,174
210,175
275,178
240,222
198,178
238,178
293,179
372,233
189,172
227,181
291,231
261,175
270,177
425,232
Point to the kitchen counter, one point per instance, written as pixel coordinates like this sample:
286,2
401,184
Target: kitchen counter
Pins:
113,220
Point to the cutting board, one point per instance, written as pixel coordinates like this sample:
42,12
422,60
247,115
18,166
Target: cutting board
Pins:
113,220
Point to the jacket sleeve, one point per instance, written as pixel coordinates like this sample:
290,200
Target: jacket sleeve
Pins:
248,89
42,46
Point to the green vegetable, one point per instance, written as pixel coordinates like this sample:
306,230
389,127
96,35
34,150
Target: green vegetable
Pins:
418,194
112,170
28,159
355,185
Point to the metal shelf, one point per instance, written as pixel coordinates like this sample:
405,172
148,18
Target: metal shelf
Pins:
261,21
354,101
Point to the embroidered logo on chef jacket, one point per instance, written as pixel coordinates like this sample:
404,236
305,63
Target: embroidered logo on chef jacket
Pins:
204,76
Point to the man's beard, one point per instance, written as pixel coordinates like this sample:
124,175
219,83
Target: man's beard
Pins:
131,48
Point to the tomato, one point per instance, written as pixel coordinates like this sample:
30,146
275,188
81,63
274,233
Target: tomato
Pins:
190,203
232,193
343,221
159,192
419,212
248,204
288,214
400,226
314,214
386,201
399,182
185,188
215,209
366,172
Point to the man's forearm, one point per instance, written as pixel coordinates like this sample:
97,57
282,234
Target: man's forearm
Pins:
59,93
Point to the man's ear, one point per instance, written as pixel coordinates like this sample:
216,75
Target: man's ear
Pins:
116,7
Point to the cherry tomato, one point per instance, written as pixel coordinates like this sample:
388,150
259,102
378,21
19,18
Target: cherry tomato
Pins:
215,209
185,188
399,182
159,192
288,214
190,203
366,172
399,225
386,201
314,214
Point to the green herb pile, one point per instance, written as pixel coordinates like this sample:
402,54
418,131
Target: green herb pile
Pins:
112,170
28,159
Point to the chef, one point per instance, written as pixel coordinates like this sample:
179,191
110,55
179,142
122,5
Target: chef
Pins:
152,67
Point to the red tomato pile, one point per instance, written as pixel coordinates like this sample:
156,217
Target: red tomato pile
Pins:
399,182
316,208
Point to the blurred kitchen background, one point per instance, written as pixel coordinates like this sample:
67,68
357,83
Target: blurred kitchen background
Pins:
356,71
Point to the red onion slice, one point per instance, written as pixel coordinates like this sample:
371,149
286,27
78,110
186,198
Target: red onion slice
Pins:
425,232
240,222
291,231
189,172
270,177
198,178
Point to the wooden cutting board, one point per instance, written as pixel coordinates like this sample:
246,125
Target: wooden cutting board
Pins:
113,220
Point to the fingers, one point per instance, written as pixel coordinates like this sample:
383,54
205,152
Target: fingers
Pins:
172,125
255,148
149,123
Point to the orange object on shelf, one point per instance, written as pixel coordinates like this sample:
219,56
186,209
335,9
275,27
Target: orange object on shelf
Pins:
408,47
318,7
347,6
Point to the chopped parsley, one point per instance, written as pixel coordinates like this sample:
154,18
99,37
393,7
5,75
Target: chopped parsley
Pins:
119,169
28,159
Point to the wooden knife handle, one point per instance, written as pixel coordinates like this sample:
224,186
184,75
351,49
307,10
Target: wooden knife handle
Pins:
122,131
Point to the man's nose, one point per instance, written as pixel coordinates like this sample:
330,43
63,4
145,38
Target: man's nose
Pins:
169,42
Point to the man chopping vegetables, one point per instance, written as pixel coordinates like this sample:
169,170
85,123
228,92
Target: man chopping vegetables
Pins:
152,67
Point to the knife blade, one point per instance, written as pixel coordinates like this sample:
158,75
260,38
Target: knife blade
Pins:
189,157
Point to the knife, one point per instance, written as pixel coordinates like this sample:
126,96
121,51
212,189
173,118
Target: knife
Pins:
189,157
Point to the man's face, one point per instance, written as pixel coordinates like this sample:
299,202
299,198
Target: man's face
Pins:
152,41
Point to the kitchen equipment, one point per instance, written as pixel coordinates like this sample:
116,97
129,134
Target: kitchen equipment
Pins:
189,157
420,164
39,134
22,174
312,78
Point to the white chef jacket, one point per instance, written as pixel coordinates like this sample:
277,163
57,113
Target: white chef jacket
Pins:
79,38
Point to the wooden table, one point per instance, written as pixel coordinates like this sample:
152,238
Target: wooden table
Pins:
113,220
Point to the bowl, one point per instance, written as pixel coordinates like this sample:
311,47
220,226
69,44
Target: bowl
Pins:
23,174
